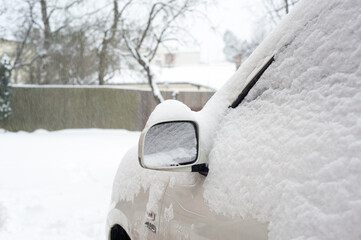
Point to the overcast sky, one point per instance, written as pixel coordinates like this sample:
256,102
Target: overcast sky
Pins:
242,17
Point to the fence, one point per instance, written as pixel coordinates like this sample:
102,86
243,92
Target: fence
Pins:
54,108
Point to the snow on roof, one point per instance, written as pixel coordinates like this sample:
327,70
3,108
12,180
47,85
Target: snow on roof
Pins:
212,75
290,154
208,75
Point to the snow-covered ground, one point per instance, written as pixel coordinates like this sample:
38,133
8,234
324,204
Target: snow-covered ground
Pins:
57,185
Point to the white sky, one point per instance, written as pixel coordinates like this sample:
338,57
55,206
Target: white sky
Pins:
239,16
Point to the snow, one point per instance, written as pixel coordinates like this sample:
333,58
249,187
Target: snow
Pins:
211,75
131,178
168,213
57,185
5,59
290,154
156,91
173,157
170,110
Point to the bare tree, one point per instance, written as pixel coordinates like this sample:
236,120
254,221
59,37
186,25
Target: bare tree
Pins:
143,38
41,33
50,33
109,36
237,50
57,45
234,49
3,9
277,9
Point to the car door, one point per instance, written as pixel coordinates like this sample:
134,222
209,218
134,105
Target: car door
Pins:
186,215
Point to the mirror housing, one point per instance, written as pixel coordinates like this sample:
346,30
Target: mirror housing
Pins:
172,146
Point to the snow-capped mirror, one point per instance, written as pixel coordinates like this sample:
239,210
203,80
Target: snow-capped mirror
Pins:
170,144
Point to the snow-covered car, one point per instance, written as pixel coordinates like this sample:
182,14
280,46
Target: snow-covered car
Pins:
274,154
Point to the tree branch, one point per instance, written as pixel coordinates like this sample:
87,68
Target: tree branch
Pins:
153,13
19,51
47,29
19,65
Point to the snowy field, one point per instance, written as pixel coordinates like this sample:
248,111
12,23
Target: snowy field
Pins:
57,185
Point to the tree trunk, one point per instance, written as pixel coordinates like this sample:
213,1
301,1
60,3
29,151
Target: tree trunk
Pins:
47,30
155,90
47,41
106,41
286,6
102,61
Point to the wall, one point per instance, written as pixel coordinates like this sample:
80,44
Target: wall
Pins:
166,57
55,108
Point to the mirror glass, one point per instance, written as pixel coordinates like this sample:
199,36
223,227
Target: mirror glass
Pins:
170,144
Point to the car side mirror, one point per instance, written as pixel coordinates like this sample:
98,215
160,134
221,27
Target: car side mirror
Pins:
172,146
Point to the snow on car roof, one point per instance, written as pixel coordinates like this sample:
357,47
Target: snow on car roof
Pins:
290,154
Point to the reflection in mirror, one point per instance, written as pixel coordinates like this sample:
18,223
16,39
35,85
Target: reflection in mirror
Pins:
170,144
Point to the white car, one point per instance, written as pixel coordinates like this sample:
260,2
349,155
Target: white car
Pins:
274,154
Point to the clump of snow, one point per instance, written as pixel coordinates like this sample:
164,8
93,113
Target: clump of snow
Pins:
131,179
6,61
170,110
168,213
290,154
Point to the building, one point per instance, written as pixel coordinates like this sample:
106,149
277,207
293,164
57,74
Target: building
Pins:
169,58
10,48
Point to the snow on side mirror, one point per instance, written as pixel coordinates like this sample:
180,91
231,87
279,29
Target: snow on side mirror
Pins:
172,146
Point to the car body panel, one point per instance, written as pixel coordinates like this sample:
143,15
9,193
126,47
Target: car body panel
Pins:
132,216
182,213
185,215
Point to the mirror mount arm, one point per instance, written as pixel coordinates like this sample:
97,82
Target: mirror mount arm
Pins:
201,168
140,162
